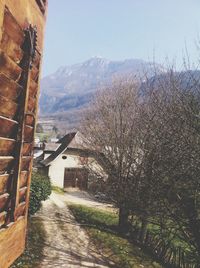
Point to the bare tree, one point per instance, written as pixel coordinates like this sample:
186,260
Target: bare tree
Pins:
174,100
148,139
109,124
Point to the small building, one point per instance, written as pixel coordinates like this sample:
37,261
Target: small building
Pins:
71,163
38,148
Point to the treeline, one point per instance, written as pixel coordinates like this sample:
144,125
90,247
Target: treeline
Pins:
147,136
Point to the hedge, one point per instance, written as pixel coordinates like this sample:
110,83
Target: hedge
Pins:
39,191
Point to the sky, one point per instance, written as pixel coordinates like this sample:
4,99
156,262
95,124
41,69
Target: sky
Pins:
156,30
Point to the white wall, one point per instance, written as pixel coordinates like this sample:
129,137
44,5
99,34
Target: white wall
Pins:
57,167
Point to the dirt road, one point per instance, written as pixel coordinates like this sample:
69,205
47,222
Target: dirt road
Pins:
67,244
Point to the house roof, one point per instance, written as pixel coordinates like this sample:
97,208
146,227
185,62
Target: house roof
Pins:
65,141
75,141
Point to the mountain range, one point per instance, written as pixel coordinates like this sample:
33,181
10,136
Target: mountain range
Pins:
71,88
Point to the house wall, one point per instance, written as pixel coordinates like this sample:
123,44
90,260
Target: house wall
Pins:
57,168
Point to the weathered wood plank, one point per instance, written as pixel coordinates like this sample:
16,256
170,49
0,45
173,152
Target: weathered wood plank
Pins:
8,108
6,163
22,194
23,179
12,28
28,134
12,242
4,183
3,201
34,73
27,149
9,88
12,49
26,160
9,67
8,127
31,104
29,120
33,87
20,210
37,59
2,218
6,146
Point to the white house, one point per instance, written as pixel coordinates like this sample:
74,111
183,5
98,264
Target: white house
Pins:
70,163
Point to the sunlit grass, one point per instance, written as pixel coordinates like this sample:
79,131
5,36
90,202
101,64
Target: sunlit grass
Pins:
57,189
102,229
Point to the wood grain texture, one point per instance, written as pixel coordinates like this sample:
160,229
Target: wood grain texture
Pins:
29,119
34,74
31,104
37,59
9,88
9,67
27,149
22,194
28,134
5,163
7,147
12,28
12,242
3,201
26,160
20,210
12,49
33,87
8,108
8,127
2,218
23,178
4,183
28,10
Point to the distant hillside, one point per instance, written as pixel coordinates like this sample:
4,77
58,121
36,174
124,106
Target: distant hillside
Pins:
70,88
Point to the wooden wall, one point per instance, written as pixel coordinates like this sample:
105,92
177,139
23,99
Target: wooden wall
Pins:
19,92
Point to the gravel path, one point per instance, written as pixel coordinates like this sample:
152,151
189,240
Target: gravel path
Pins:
67,244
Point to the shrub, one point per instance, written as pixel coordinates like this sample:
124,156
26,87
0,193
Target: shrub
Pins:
39,191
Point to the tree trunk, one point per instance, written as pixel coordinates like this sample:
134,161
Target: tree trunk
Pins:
123,219
143,230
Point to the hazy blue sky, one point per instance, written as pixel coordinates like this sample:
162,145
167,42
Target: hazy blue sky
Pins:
119,29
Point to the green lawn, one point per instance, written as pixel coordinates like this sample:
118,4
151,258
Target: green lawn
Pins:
34,246
57,189
102,229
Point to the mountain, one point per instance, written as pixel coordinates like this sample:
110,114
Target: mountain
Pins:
72,87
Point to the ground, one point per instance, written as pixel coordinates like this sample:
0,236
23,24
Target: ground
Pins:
67,244
57,240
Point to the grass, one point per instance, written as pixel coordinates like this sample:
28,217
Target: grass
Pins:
32,255
168,232
57,189
102,228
